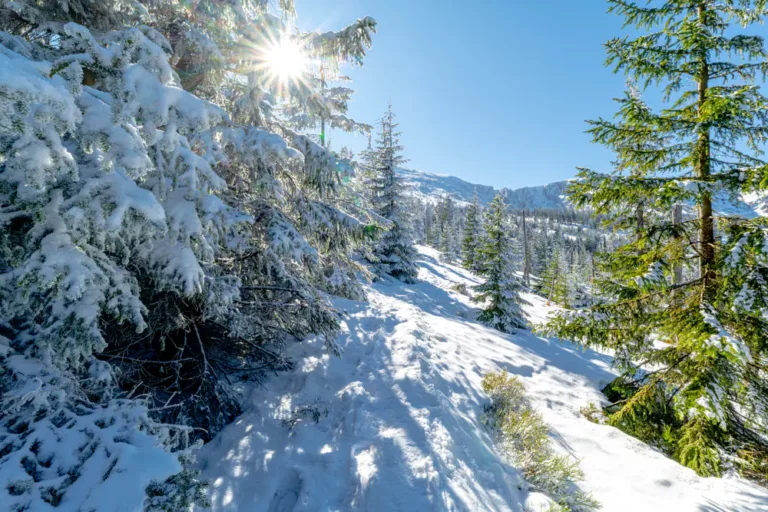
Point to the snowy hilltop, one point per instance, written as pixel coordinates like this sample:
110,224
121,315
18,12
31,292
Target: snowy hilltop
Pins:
397,422
429,187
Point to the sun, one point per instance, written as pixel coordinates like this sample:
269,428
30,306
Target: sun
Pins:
285,59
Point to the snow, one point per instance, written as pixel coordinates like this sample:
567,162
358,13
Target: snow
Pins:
395,423
93,457
429,188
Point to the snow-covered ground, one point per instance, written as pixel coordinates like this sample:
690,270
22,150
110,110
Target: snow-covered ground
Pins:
399,419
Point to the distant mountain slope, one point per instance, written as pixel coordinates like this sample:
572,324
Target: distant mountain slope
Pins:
545,196
431,187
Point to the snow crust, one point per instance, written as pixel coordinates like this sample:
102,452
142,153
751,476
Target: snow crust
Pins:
396,422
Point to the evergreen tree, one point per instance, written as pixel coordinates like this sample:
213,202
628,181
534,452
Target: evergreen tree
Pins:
364,174
328,106
554,281
472,236
500,292
525,236
143,165
704,335
430,237
447,226
394,253
542,251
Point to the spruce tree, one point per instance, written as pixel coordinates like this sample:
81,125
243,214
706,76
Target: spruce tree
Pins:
702,330
328,106
429,225
446,219
162,233
394,253
554,281
500,291
472,236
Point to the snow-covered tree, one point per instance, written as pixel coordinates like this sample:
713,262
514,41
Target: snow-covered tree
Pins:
448,228
101,190
143,164
430,228
472,236
326,108
394,254
685,298
500,292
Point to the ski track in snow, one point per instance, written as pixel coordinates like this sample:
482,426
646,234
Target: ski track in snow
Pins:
400,423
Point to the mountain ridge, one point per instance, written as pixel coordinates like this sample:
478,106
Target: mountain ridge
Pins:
431,187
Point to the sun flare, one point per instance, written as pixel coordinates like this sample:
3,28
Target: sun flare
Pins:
285,59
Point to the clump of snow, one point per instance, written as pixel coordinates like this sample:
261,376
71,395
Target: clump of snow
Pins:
725,341
62,453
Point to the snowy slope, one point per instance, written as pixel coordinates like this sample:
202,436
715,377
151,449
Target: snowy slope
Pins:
550,196
431,187
400,419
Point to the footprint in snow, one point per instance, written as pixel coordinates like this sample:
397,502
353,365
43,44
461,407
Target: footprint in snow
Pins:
287,494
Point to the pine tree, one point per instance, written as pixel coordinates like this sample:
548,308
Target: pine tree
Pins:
554,281
472,236
328,106
447,225
364,175
705,401
542,251
103,201
429,225
527,264
394,253
500,291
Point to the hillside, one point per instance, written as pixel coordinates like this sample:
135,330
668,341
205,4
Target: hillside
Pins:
396,422
430,187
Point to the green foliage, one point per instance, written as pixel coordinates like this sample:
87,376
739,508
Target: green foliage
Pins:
697,447
500,291
554,281
593,413
524,438
394,253
461,288
686,294
470,257
643,411
179,492
753,463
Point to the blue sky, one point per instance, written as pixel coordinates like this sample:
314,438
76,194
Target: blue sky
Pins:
496,93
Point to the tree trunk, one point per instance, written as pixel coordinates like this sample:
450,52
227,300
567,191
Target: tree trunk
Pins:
706,223
677,220
322,117
526,255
